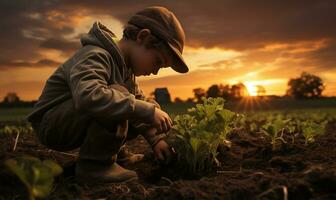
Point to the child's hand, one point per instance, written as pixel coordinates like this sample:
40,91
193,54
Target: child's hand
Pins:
161,121
163,151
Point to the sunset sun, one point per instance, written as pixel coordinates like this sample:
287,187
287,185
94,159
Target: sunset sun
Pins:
251,89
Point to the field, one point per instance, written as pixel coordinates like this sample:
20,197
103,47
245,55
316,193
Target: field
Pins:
275,153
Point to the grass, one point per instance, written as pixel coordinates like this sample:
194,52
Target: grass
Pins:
14,114
273,106
176,108
244,106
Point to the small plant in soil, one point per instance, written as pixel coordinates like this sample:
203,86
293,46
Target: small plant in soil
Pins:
311,129
14,130
8,131
199,133
36,175
275,129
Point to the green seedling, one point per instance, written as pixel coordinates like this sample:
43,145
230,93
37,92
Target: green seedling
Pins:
36,175
311,129
275,129
200,132
17,131
14,130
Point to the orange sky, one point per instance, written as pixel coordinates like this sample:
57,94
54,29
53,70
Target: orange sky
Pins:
229,43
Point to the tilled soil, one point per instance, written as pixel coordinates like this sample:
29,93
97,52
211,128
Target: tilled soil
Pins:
250,169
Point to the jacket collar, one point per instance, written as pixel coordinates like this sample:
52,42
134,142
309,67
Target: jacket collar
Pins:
109,41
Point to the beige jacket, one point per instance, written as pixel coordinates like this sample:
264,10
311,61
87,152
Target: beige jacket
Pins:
85,78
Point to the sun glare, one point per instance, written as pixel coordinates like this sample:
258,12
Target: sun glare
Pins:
251,89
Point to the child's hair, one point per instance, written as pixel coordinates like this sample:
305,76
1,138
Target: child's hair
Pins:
130,32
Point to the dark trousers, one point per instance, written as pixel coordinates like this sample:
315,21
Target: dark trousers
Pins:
64,128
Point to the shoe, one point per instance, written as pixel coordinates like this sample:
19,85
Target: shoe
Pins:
90,171
125,157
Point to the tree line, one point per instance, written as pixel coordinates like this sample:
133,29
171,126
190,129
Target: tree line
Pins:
305,86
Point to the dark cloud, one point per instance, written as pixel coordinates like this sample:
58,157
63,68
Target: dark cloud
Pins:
244,25
323,58
60,44
29,27
320,59
26,25
235,24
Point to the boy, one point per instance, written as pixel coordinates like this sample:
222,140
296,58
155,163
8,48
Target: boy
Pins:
92,101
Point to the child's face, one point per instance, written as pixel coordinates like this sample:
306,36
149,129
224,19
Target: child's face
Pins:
145,61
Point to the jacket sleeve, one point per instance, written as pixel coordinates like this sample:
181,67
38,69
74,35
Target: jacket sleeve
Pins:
91,93
142,128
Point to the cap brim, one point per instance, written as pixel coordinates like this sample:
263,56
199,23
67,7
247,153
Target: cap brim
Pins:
179,64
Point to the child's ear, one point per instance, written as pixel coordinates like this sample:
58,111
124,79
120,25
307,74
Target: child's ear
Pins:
143,35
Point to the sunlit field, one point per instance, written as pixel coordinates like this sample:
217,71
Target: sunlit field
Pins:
253,145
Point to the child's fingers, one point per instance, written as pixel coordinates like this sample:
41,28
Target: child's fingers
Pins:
164,126
159,128
171,121
168,124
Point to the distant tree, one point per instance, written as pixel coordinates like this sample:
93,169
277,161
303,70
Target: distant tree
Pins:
198,93
214,91
189,100
11,98
305,86
225,91
261,91
178,100
238,91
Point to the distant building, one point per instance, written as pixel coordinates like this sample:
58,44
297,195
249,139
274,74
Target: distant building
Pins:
162,95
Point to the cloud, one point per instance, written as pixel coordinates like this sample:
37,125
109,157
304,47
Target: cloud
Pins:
244,25
272,38
26,28
226,64
323,58
60,44
239,25
40,63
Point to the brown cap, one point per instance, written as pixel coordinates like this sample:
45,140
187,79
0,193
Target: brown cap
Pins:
164,25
